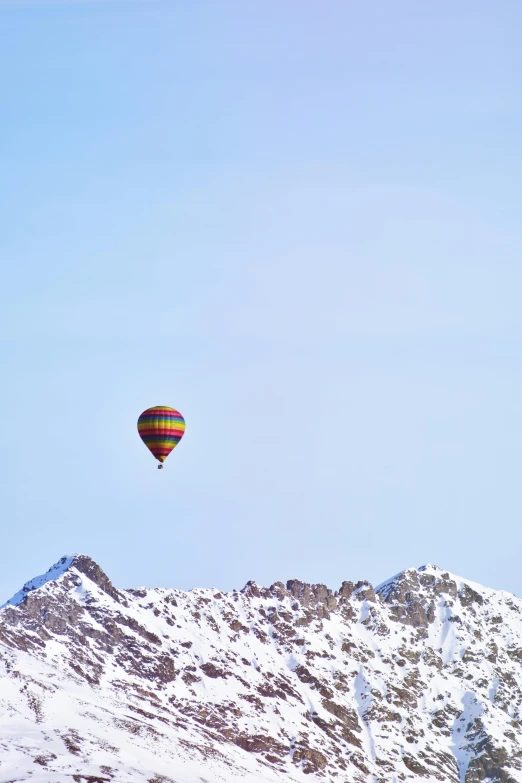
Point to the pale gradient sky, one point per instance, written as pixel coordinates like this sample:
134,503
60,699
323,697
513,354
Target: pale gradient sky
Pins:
297,222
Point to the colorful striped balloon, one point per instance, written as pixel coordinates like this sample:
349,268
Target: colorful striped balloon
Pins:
161,429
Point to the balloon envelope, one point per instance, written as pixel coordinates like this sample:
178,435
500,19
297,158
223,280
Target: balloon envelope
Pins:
161,429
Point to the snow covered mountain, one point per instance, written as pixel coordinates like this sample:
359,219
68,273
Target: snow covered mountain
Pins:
418,680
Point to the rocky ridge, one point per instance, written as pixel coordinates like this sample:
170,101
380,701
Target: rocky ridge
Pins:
419,679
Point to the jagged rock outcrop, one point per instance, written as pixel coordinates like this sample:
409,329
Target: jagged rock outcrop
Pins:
417,680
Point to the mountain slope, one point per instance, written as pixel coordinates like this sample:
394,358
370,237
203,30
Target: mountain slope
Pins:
419,679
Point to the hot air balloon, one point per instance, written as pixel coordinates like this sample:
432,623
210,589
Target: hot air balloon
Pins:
161,429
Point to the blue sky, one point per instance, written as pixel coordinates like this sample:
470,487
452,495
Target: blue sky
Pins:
298,223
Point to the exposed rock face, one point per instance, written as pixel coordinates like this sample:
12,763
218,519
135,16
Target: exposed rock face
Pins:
418,680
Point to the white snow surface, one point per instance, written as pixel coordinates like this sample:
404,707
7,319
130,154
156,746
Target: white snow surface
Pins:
422,681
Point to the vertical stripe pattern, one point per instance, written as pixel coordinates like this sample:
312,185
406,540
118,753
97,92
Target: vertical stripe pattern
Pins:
161,429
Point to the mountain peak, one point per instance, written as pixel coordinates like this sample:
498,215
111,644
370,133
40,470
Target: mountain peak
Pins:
430,567
81,563
412,575
87,566
54,572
